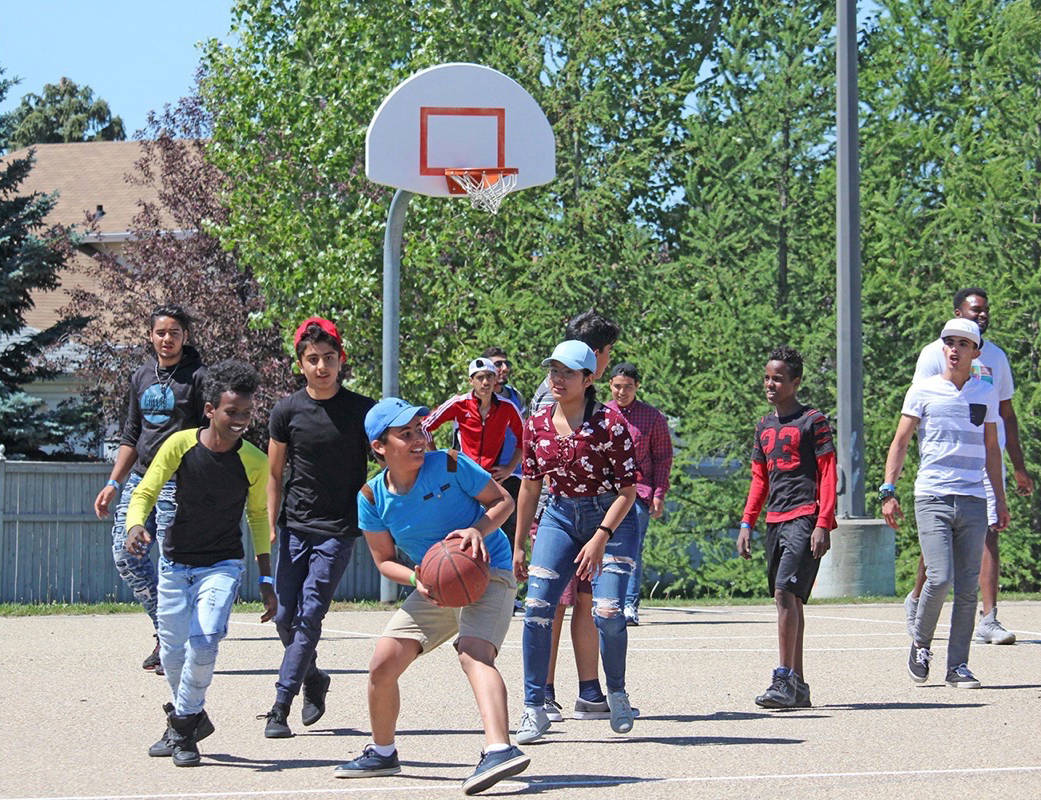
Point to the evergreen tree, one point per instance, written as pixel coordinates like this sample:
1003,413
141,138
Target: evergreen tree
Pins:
65,112
31,257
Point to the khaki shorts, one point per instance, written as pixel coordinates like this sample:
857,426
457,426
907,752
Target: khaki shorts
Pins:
487,619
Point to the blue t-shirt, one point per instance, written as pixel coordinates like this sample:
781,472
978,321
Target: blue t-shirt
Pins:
438,503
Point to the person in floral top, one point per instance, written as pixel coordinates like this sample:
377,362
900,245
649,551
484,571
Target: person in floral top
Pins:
585,450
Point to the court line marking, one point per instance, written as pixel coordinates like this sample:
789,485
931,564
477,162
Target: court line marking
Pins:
632,649
535,782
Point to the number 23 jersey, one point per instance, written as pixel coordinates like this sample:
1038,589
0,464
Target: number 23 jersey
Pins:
793,454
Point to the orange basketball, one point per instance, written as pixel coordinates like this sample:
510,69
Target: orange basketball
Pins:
453,577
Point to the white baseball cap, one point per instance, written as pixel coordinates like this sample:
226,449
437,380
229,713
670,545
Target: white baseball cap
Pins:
959,326
482,365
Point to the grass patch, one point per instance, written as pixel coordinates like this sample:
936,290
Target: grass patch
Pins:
51,609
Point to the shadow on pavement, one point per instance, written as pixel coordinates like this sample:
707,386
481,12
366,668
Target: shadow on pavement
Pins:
275,671
898,706
691,741
547,783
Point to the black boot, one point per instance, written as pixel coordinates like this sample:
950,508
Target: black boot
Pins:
185,749
165,745
277,727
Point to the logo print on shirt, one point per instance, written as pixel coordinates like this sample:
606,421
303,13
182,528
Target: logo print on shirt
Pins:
157,404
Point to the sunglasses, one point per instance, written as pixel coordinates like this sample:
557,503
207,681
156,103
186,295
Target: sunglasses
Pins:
502,362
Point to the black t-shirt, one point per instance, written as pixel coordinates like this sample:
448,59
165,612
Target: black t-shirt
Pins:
789,447
327,460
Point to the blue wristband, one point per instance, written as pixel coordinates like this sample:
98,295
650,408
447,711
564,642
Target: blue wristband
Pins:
262,579
889,486
745,525
114,483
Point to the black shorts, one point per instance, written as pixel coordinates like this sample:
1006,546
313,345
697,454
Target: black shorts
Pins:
789,564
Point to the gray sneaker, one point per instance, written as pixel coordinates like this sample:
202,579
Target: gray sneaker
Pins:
781,692
493,767
918,663
621,712
369,764
802,692
990,631
910,612
588,709
533,724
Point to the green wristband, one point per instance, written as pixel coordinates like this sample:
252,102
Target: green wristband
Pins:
412,578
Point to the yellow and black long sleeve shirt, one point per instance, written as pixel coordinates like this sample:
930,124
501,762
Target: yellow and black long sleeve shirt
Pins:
212,489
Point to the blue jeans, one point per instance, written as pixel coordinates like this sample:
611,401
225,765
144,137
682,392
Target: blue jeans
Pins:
194,606
309,568
566,525
137,571
643,518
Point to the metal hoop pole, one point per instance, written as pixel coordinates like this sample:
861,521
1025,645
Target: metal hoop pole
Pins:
392,238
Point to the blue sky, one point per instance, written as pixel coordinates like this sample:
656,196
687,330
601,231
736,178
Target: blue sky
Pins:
137,54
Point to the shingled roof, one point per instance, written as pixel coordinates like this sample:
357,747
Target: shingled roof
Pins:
85,175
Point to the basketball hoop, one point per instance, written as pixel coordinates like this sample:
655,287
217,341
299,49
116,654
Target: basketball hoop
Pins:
486,187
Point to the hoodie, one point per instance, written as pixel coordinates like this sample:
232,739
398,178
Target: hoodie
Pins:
163,401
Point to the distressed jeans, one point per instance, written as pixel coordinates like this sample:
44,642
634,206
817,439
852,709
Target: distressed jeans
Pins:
308,571
566,525
643,519
194,606
137,571
951,531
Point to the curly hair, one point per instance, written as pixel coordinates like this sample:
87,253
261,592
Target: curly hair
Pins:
962,295
229,375
791,357
173,312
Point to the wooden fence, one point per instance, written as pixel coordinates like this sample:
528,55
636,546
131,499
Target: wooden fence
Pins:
53,549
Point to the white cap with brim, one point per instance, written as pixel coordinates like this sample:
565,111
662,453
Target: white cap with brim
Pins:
959,326
390,412
482,365
573,354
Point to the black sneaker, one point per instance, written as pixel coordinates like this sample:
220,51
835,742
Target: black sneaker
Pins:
802,692
369,764
314,699
781,693
277,727
918,663
165,745
493,767
152,663
962,678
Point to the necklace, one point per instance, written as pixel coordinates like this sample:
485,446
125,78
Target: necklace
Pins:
164,385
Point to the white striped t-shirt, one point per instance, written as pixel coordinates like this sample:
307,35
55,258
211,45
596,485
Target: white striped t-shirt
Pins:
952,453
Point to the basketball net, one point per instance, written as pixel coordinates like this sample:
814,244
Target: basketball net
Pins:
486,188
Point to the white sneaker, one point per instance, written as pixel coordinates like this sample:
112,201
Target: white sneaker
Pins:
534,723
632,616
621,712
553,711
990,631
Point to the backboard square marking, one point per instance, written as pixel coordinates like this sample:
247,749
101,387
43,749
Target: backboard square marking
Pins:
425,112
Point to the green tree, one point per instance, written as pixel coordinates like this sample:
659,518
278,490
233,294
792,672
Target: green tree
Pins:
65,112
757,249
31,256
951,197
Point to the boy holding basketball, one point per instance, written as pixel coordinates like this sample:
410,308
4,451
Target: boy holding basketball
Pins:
793,473
418,499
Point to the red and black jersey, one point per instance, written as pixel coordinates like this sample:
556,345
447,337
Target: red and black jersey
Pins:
793,468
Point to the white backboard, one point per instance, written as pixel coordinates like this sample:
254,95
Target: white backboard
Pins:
458,115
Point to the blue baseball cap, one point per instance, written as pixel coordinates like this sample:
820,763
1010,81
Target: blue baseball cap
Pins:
574,355
389,413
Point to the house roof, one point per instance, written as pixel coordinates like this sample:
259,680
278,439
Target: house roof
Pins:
86,175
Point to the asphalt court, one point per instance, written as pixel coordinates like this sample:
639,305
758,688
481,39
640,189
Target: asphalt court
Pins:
78,714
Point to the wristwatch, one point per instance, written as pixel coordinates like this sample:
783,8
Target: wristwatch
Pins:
885,491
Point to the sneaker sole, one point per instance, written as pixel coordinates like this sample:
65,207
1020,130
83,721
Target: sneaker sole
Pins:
369,773
774,705
507,769
964,684
599,714
984,640
558,717
205,729
287,734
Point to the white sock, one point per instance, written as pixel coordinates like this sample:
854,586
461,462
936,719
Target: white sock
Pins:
495,748
384,750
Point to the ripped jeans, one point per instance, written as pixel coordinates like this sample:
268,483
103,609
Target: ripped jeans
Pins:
566,525
194,606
